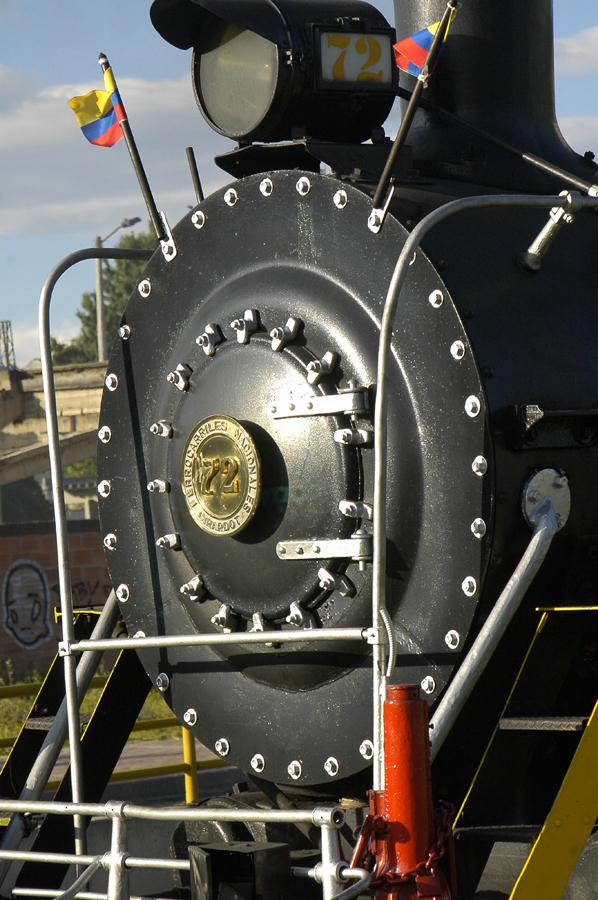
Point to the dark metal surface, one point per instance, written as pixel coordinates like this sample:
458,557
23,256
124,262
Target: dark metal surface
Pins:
302,256
513,100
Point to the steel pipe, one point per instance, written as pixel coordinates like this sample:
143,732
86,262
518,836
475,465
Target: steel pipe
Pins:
198,640
493,629
64,576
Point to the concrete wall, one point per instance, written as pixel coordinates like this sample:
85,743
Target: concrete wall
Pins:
29,589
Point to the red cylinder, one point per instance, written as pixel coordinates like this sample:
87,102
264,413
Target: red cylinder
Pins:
407,797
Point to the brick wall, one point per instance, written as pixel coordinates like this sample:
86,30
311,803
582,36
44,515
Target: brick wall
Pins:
29,589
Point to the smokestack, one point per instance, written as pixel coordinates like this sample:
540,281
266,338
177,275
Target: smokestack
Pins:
497,72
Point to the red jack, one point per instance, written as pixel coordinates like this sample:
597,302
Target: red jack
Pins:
402,840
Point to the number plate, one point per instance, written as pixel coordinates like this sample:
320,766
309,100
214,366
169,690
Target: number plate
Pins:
353,58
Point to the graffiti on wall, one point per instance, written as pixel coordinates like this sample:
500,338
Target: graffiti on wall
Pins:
26,603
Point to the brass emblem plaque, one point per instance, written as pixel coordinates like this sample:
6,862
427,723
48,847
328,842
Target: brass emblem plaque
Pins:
221,476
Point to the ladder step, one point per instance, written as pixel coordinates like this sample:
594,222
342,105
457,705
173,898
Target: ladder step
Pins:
552,723
44,723
514,834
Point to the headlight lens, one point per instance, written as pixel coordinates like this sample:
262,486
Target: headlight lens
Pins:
235,80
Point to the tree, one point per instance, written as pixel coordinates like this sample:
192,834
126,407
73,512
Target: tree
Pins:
119,280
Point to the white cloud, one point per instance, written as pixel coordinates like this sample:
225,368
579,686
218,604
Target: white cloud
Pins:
26,338
578,54
581,132
57,181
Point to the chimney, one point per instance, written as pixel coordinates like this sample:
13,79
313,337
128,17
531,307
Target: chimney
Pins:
496,72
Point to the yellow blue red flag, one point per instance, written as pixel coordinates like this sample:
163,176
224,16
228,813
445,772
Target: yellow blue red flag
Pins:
411,53
99,113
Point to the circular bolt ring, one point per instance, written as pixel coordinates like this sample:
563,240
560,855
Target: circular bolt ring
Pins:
124,332
110,541
104,488
144,287
190,717
258,764
331,766
340,199
452,639
428,684
469,586
266,187
162,681
303,186
473,406
480,465
123,593
111,381
457,350
366,748
231,197
436,299
198,219
478,528
295,769
222,747
104,434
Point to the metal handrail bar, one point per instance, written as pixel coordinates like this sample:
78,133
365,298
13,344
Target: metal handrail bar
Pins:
62,546
71,859
331,816
199,640
80,895
573,201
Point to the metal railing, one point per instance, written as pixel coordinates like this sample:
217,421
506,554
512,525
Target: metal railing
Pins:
331,872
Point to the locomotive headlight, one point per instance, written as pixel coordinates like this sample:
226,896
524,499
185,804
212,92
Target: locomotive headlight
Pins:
235,79
266,70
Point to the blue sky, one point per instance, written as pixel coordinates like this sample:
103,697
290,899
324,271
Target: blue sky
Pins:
57,192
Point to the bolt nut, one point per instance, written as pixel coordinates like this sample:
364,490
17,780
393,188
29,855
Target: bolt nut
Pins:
190,717
124,332
366,748
451,639
303,188
104,488
266,187
375,221
231,197
469,586
340,199
436,299
198,219
295,768
478,528
144,287
258,763
161,429
110,541
331,766
480,465
111,381
428,684
123,593
457,350
162,681
104,434
473,406
222,747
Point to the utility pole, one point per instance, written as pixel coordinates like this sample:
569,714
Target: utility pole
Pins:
100,309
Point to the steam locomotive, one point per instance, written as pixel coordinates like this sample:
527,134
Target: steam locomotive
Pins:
236,435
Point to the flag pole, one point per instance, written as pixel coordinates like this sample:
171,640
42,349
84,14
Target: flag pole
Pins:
150,203
406,121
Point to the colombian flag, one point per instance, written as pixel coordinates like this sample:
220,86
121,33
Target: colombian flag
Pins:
99,113
411,53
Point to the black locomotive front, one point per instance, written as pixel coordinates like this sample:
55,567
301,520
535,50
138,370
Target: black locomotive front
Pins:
237,430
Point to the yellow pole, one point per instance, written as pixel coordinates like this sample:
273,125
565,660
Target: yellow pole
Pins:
190,760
